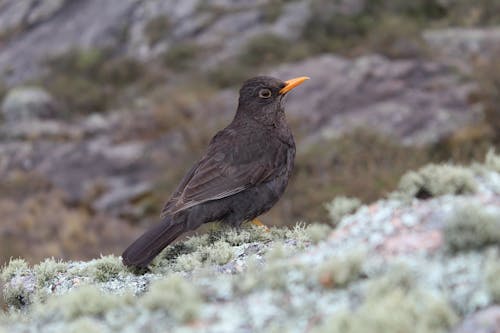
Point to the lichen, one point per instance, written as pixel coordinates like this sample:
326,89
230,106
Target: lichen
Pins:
175,296
492,277
47,270
492,160
339,271
84,301
472,227
106,268
317,232
341,206
436,180
13,268
17,295
393,304
84,325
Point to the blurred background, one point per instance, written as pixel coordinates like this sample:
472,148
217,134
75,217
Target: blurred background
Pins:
105,104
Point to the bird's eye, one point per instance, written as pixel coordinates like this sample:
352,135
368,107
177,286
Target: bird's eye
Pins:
265,93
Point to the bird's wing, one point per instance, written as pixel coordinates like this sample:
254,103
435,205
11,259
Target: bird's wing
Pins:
228,167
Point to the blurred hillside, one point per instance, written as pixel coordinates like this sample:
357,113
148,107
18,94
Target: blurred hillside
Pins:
107,103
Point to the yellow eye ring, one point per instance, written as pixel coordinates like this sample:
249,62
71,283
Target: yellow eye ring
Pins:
265,93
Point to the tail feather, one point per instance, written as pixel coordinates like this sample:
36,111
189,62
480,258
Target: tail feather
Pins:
143,250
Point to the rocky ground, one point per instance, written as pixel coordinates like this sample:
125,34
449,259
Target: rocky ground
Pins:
104,105
425,259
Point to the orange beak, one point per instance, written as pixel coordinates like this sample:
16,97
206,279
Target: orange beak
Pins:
290,84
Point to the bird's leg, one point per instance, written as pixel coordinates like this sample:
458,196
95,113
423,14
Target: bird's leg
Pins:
258,223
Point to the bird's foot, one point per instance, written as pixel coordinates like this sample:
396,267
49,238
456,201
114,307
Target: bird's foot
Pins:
258,223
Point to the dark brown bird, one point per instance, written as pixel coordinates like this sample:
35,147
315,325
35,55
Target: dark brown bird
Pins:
242,174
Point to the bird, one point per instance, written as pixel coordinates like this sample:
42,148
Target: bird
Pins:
242,174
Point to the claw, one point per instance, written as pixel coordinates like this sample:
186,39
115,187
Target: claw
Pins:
258,223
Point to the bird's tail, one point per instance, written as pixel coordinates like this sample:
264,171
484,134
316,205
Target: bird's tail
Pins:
152,242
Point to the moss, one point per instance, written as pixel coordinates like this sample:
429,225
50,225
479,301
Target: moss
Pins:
341,206
339,271
84,301
471,227
106,268
47,270
13,268
175,296
435,180
492,280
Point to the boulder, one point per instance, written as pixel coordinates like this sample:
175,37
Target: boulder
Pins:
25,103
415,101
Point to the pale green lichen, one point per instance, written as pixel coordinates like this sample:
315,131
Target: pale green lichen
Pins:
13,268
317,232
340,207
219,253
175,296
84,325
339,271
106,268
436,180
188,262
84,301
493,277
472,227
17,295
492,161
393,304
47,270
395,312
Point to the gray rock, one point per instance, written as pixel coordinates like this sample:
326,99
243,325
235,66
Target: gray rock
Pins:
484,321
417,102
24,103
16,14
460,46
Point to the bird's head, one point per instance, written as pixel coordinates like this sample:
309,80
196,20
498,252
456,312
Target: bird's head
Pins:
261,96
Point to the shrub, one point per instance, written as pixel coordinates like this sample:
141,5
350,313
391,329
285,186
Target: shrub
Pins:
89,80
265,49
182,56
157,28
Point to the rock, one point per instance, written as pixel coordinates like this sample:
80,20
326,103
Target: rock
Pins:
463,46
28,103
484,321
15,15
414,101
305,278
